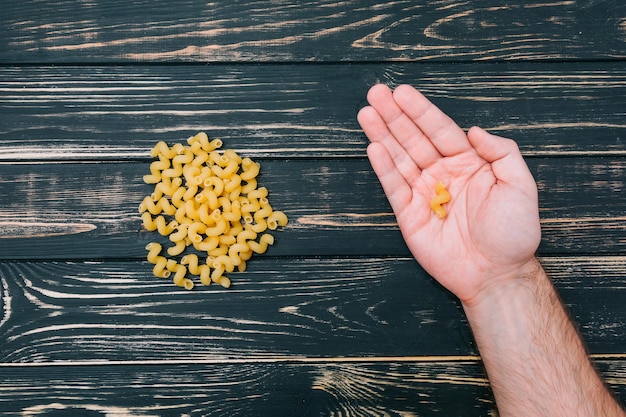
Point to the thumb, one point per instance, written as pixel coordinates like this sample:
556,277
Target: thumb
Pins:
503,154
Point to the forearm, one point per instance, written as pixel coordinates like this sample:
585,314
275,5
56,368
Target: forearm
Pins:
534,357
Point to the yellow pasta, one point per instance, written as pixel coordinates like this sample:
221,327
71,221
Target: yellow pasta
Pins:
155,170
208,244
161,149
275,219
167,186
191,210
158,207
261,246
154,249
246,235
227,239
195,231
224,261
235,250
190,193
249,206
185,157
221,249
250,169
200,159
233,183
205,274
257,193
203,141
223,281
234,214
179,274
442,197
191,260
216,184
158,223
218,229
180,233
264,212
235,229
229,168
206,200
160,262
177,196
177,249
217,272
250,186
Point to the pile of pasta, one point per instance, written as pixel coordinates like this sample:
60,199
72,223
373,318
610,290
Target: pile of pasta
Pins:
207,199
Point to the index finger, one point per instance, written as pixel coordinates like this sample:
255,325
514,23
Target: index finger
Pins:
403,131
447,137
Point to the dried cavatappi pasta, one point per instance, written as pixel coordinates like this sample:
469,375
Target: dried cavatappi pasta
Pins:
442,197
208,200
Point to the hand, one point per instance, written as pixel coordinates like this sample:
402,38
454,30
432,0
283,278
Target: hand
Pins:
492,228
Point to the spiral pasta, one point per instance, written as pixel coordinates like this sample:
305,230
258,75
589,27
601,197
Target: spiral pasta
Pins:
442,197
208,200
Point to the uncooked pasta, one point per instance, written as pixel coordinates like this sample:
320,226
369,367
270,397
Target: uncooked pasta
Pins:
208,201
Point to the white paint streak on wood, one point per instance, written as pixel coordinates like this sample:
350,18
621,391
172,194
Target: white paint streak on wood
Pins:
209,50
261,127
6,299
170,112
109,411
140,327
349,220
281,359
56,91
46,153
557,125
28,230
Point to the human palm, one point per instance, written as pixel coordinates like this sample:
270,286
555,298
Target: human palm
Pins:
492,226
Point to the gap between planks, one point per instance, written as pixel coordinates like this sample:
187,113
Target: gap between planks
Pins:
26,156
280,360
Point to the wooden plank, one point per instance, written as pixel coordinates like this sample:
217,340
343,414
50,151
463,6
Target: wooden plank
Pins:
104,113
445,388
321,30
89,210
361,389
280,307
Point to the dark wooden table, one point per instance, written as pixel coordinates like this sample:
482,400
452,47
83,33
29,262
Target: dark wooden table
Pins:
336,319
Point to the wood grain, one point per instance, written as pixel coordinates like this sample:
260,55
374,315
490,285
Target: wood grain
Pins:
320,30
249,389
337,319
336,207
402,388
285,111
279,308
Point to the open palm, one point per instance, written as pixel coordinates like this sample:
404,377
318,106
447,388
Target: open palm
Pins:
492,227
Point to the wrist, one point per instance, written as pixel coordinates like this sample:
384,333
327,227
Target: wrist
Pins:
507,286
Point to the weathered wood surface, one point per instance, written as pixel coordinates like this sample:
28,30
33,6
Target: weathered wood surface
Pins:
286,111
251,389
253,31
343,388
336,207
337,319
298,308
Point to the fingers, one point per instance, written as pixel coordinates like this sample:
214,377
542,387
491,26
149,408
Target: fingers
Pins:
403,131
377,131
503,154
444,134
397,190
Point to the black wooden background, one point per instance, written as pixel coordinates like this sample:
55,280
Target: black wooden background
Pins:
337,319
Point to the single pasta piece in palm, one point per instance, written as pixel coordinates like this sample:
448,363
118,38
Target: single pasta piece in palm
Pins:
442,197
